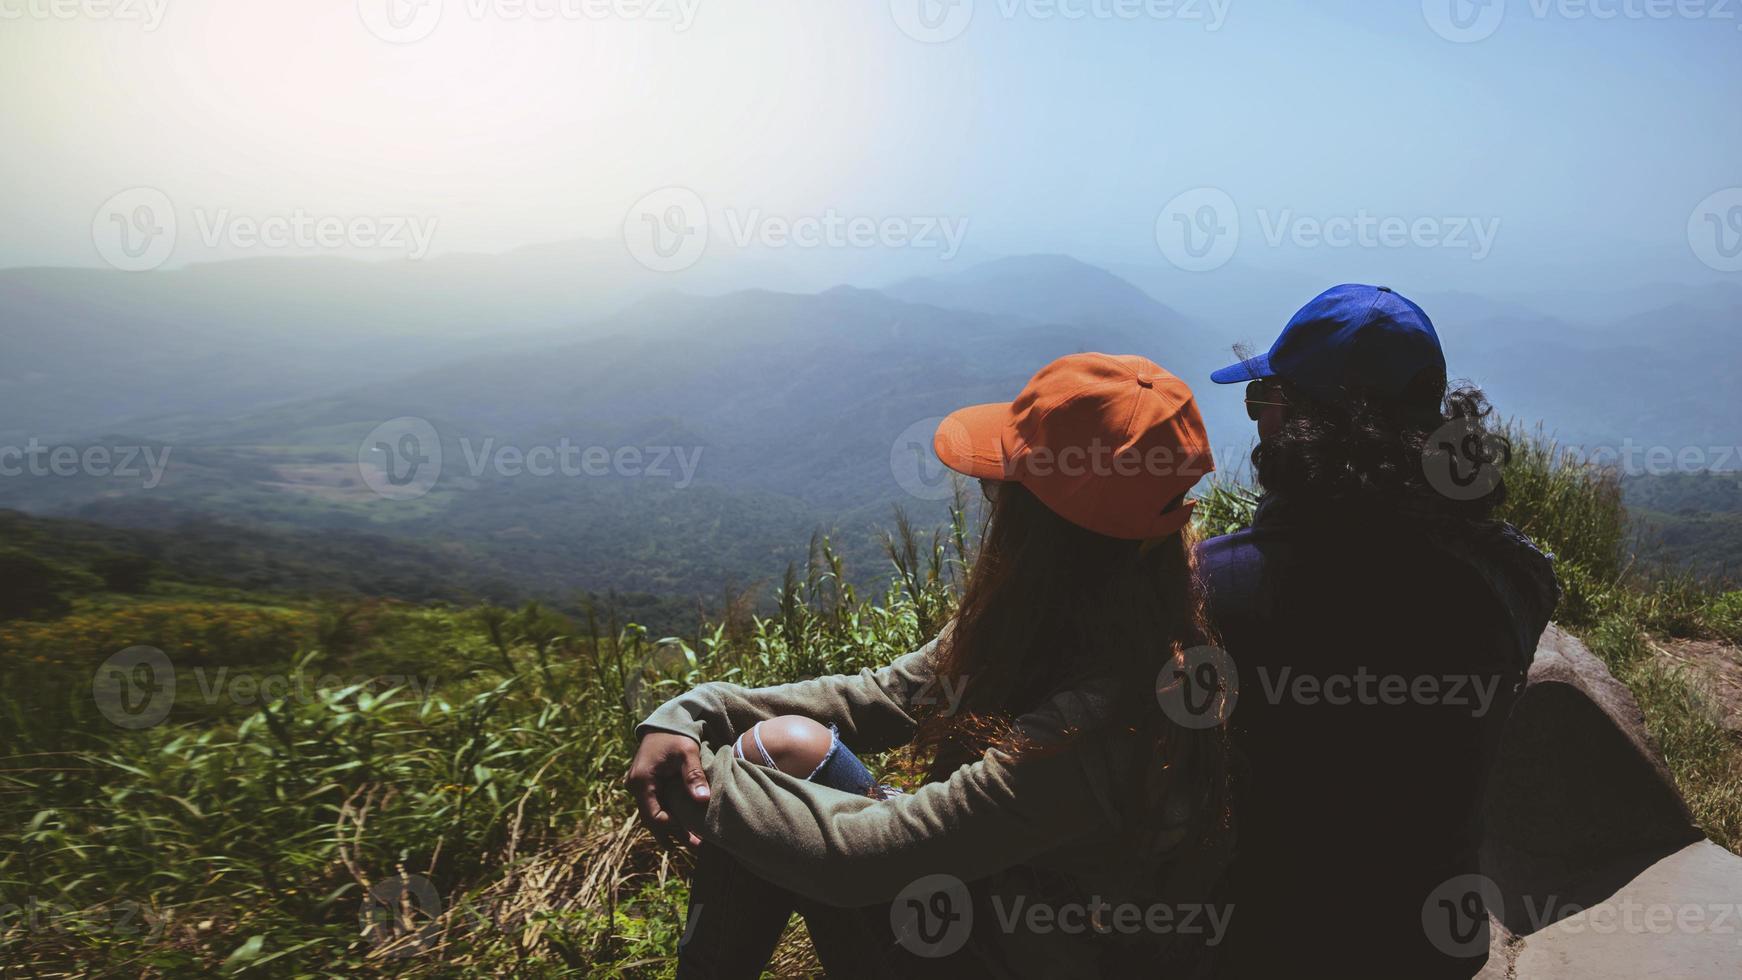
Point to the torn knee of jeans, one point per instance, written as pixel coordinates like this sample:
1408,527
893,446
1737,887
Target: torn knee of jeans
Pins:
794,744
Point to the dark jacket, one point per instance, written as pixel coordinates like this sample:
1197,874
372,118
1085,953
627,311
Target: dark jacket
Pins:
1377,660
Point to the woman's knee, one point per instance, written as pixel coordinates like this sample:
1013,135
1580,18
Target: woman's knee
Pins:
796,744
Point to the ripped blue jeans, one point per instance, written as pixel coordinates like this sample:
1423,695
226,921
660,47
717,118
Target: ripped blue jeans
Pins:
840,768
736,916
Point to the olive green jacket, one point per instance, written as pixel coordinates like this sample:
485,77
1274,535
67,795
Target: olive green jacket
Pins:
1042,831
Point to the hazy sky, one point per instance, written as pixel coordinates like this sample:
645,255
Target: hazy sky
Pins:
1582,137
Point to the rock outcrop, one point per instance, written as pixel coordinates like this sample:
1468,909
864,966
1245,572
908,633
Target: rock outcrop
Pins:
1597,866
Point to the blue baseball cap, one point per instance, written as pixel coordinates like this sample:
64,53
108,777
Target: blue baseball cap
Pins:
1349,337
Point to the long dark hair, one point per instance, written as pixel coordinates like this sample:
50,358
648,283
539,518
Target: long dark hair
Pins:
1368,452
1048,606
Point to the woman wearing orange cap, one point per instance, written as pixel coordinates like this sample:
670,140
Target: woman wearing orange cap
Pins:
1072,820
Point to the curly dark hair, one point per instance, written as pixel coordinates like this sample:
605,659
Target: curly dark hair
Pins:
1429,452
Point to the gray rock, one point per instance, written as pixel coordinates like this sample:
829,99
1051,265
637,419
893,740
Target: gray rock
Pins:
1580,801
1600,870
1678,918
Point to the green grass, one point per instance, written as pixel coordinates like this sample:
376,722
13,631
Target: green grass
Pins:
1575,511
243,836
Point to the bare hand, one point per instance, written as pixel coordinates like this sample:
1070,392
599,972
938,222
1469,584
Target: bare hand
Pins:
666,778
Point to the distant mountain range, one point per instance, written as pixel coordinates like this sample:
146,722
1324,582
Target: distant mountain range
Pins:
771,413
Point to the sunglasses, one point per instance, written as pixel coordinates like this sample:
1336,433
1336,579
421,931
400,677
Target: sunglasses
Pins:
1261,393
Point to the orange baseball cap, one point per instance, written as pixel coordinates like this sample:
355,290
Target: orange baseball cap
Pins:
1108,442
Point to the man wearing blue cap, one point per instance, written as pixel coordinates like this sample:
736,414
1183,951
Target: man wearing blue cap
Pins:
1380,622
